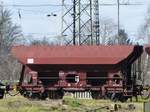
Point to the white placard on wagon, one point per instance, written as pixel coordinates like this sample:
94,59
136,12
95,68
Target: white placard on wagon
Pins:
30,60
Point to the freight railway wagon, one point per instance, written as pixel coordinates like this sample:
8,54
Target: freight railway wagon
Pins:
104,71
147,49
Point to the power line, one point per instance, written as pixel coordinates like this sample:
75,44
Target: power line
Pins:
35,33
59,5
38,11
39,5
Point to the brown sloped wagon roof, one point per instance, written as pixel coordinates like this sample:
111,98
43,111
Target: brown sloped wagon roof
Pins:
72,54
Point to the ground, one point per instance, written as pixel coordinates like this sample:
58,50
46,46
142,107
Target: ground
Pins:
68,104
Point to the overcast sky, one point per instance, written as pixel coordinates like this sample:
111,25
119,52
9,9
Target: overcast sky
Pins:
35,22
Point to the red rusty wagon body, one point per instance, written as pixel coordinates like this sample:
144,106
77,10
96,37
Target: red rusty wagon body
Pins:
102,70
147,49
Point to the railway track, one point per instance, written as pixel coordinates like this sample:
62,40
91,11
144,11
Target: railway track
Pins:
82,95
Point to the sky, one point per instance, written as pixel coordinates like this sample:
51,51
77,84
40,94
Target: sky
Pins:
35,22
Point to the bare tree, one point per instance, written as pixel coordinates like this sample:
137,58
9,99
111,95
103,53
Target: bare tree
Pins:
45,41
123,38
42,41
108,33
108,30
9,35
9,32
144,30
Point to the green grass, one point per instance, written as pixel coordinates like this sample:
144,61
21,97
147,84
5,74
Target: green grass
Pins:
18,104
140,100
68,104
71,102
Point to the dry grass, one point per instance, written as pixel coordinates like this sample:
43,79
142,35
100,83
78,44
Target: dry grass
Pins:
20,104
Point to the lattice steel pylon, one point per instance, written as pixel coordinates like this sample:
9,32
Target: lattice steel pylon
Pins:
96,25
77,25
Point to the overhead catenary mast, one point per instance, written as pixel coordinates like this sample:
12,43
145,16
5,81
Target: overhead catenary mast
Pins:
118,6
96,25
77,21
80,21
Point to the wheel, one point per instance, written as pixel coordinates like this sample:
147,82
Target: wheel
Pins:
43,96
56,94
123,99
145,94
96,95
114,97
31,96
60,95
118,97
34,96
1,94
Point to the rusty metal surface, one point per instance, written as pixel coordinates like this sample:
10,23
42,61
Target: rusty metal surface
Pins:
72,54
148,49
